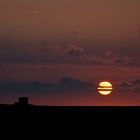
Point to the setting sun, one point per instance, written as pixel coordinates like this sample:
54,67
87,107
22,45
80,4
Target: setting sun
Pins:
105,88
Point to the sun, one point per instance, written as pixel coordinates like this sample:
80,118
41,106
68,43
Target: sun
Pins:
105,88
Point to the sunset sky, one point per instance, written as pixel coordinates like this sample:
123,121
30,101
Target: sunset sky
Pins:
43,42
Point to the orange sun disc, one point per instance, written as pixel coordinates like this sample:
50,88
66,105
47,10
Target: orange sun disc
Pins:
105,88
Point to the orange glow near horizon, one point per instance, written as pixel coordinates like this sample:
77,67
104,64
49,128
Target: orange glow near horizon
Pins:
105,88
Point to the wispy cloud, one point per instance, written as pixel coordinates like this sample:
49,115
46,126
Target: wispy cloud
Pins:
75,50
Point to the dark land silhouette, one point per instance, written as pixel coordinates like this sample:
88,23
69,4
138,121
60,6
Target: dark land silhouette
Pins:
23,106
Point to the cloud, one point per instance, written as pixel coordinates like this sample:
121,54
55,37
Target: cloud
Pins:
74,83
135,82
129,84
133,85
136,85
65,84
119,61
89,59
107,58
45,52
101,60
109,53
74,50
125,84
111,58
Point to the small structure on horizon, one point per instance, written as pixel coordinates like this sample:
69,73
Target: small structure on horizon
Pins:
22,101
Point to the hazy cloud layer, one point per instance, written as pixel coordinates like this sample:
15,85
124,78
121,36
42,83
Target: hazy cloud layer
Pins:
65,84
70,53
133,85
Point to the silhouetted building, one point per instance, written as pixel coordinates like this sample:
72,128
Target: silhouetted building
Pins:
23,101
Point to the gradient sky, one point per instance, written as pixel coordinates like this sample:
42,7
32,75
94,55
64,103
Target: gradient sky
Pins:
85,19
44,40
